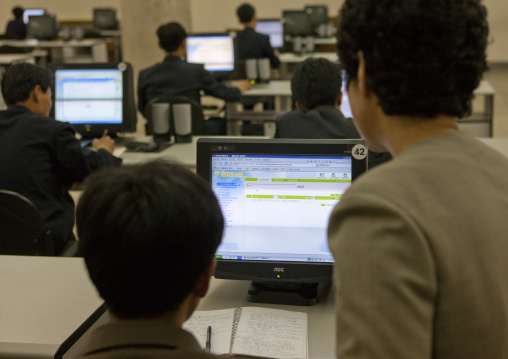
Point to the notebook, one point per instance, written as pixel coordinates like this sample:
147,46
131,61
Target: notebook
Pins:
252,331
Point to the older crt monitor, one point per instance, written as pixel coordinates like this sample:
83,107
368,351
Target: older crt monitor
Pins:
95,97
215,51
42,27
297,23
276,197
105,19
274,29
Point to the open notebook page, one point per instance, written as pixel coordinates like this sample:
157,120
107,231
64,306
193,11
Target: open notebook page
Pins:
221,322
271,333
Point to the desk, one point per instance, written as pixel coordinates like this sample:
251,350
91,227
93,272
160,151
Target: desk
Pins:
42,301
290,58
7,59
57,47
480,124
224,294
280,89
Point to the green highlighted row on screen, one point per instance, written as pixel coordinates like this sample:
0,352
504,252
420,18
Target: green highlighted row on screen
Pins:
333,198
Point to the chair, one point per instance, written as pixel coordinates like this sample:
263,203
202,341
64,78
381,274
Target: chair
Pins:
163,121
22,229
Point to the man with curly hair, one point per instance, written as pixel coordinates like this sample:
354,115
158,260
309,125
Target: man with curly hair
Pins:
420,243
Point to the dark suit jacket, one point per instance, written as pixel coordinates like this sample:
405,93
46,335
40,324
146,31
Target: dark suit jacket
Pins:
323,122
16,29
41,158
175,77
142,339
253,45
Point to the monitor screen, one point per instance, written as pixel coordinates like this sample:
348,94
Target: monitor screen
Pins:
297,23
42,27
31,12
274,29
276,197
95,97
318,15
105,19
215,51
345,106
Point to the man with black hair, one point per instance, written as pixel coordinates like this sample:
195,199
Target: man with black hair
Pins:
40,157
148,235
316,86
16,29
420,243
251,44
176,77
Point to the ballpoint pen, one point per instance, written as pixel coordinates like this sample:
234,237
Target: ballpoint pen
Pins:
208,339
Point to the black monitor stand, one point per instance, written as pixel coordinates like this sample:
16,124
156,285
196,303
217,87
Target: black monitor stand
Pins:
305,294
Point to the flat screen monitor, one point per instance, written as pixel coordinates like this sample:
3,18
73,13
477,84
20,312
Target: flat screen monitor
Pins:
297,23
274,29
276,197
32,12
215,51
345,106
42,27
318,15
95,97
105,19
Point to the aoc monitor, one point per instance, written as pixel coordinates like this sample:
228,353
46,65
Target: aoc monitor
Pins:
215,51
274,29
32,12
297,23
95,98
42,27
276,197
105,19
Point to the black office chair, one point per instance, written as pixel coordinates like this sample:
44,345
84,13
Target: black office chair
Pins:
163,125
22,229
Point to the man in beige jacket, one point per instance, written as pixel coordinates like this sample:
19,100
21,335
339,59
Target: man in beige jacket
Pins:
421,242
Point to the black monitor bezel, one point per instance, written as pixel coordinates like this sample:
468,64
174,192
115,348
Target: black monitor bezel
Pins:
224,74
282,23
264,271
129,114
110,10
38,35
310,32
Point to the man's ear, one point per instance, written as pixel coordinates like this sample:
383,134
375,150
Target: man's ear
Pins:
36,93
338,102
362,76
203,282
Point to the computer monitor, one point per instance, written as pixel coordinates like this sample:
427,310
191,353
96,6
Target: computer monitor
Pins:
215,51
345,106
42,27
276,197
297,23
318,15
95,97
105,19
274,29
32,12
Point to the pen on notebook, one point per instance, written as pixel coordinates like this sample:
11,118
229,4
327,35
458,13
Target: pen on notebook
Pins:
208,339
105,133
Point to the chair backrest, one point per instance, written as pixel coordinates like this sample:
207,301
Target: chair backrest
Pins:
173,118
22,229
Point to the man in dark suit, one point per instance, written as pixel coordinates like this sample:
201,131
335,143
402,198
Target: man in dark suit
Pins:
176,77
316,87
251,44
148,235
16,29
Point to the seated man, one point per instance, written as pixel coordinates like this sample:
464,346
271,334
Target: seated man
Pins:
148,235
420,243
251,44
40,157
316,88
176,77
16,29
